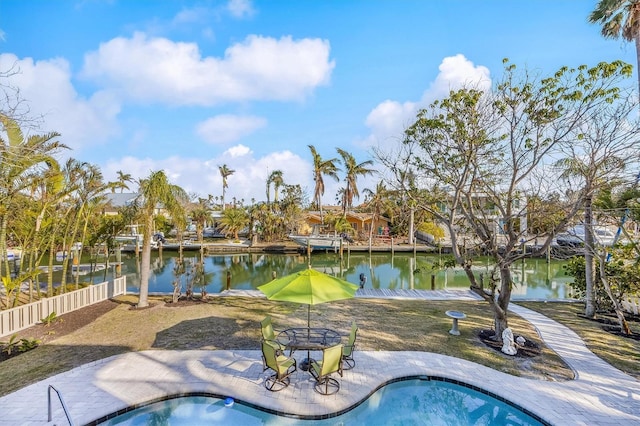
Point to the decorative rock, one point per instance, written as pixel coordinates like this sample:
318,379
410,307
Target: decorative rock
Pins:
508,347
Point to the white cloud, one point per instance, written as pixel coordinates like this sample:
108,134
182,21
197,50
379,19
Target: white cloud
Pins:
46,87
259,68
203,177
191,15
388,119
228,128
240,8
238,151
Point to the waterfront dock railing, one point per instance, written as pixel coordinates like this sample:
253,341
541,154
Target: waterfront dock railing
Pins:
24,316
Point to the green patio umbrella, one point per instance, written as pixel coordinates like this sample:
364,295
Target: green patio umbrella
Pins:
308,286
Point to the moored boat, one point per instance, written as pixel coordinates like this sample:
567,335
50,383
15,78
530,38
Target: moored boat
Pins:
318,242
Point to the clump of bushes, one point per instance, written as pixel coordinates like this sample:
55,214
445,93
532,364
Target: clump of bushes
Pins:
16,346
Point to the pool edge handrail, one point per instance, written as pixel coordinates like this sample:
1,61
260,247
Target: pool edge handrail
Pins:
64,406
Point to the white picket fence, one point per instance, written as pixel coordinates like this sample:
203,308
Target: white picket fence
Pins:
24,316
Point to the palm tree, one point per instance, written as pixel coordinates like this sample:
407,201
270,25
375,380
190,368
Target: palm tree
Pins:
22,158
352,170
156,190
201,214
322,168
376,202
122,179
225,172
619,18
234,220
276,179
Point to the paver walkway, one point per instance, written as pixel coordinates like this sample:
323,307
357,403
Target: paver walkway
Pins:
600,395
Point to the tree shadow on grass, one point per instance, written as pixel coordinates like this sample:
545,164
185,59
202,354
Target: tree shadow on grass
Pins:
209,333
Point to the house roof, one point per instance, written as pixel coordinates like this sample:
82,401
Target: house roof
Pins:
120,199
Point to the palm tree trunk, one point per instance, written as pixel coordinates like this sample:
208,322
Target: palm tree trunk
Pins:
145,263
590,305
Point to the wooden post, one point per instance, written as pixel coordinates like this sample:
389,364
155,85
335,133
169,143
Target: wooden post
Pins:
118,262
228,280
433,282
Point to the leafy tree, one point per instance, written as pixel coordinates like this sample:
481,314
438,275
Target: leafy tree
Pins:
605,143
545,212
155,191
321,168
478,155
615,280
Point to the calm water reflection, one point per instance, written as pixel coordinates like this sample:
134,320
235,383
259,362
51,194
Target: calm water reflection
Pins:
533,278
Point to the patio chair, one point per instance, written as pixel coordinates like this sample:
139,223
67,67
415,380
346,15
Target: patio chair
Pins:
269,336
282,366
347,353
321,370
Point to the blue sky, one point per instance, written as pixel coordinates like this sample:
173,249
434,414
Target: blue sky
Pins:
186,86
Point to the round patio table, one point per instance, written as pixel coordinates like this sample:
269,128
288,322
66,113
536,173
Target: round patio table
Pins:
309,339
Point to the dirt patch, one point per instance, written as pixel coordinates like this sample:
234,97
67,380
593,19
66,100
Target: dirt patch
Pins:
528,349
62,325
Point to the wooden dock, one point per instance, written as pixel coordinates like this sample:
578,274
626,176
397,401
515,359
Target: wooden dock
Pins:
370,293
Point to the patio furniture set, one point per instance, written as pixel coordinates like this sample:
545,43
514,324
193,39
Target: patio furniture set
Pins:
336,356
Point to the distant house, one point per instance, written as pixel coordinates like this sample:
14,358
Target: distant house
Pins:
360,222
115,201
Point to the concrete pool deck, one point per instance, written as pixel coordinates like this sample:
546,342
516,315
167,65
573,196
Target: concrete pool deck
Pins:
600,394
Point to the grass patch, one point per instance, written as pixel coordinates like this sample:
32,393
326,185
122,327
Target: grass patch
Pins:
115,327
623,353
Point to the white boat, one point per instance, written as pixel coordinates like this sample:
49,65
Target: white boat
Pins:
318,242
130,236
574,237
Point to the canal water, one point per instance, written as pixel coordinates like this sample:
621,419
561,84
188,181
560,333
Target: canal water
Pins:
533,278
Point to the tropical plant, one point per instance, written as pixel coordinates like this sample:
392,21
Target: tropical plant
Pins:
225,172
352,170
11,345
375,202
22,160
276,179
155,191
619,18
234,220
321,168
123,178
49,319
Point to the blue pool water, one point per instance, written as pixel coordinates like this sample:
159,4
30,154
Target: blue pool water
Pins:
407,402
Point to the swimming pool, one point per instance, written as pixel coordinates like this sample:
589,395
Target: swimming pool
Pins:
412,401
